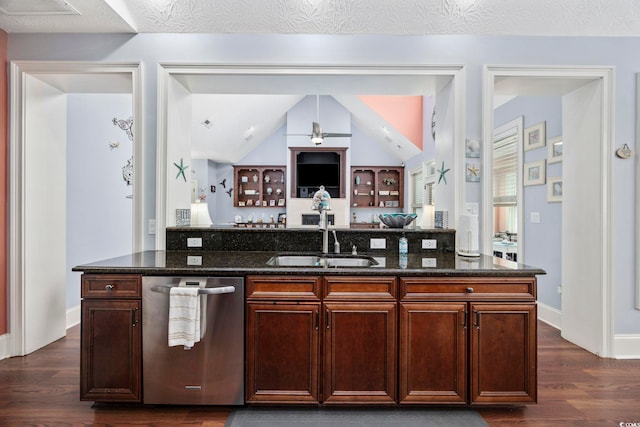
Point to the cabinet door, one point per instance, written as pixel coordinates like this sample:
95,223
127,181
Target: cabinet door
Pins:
360,352
110,365
433,353
282,352
503,353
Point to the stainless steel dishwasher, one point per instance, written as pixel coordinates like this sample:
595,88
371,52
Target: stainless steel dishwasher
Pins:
212,371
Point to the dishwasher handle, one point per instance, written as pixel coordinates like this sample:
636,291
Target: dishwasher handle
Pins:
165,289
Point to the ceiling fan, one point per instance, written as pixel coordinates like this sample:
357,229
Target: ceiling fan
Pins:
317,136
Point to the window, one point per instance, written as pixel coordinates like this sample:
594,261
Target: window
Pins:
505,184
421,183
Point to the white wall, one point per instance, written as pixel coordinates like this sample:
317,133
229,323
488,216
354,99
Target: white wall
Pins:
472,51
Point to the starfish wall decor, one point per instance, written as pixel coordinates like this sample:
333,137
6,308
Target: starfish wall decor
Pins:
442,171
181,168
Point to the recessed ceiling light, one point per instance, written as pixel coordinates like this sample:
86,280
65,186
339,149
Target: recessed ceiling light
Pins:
37,7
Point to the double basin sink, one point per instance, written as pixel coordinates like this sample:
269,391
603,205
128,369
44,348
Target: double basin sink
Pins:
321,260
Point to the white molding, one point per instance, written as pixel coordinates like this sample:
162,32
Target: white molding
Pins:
626,346
637,192
73,316
606,74
16,268
169,70
4,346
550,315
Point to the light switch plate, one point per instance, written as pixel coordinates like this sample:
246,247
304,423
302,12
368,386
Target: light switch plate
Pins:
152,226
429,244
378,243
535,217
194,242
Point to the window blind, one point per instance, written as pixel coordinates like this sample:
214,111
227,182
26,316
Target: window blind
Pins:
505,171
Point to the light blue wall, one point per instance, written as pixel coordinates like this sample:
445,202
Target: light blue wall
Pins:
472,51
99,213
543,241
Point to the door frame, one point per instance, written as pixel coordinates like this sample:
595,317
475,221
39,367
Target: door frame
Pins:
606,74
19,71
169,71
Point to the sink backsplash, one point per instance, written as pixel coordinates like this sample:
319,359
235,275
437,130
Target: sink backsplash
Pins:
293,240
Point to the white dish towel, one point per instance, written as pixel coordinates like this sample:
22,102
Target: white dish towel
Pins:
184,316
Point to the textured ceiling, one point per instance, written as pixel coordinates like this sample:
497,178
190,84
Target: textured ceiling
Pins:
497,17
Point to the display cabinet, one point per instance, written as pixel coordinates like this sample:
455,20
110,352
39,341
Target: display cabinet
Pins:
377,187
259,186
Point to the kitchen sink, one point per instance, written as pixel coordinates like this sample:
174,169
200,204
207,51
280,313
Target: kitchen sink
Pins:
324,260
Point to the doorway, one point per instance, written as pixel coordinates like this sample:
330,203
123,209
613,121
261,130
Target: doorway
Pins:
38,191
585,317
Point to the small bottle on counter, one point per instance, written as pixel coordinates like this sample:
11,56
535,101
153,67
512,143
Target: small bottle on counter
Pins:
403,247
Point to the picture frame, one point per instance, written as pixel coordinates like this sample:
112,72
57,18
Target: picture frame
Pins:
554,189
535,137
430,168
535,173
554,154
472,148
272,202
281,202
472,172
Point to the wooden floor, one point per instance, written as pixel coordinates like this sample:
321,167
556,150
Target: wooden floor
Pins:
574,388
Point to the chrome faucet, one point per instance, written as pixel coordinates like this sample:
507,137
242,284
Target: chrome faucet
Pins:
322,203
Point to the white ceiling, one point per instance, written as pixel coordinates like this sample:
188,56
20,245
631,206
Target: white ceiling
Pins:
496,17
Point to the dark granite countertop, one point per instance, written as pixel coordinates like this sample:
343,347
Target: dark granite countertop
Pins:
238,263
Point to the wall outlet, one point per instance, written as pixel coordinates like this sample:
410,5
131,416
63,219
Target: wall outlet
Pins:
429,262
194,242
429,244
194,260
378,243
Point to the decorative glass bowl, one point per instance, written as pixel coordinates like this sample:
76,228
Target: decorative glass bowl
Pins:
397,220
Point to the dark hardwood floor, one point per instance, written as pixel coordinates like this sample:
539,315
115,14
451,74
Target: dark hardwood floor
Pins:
574,388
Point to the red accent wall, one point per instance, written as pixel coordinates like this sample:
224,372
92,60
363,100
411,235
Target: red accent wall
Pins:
3,183
402,112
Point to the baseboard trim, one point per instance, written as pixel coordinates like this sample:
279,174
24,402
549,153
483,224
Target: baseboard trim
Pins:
4,346
626,346
73,316
550,315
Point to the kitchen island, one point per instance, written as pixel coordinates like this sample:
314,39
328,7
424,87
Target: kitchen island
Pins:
429,328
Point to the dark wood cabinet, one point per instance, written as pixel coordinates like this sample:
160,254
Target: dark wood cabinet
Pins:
259,186
495,315
433,352
282,352
283,339
360,352
111,353
503,353
290,319
377,187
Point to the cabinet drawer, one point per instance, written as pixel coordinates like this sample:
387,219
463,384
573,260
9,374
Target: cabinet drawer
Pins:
283,287
490,288
111,286
360,287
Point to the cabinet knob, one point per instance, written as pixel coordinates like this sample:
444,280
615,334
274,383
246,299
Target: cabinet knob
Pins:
109,287
469,290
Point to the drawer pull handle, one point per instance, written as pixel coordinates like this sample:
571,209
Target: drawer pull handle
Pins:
109,287
469,290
